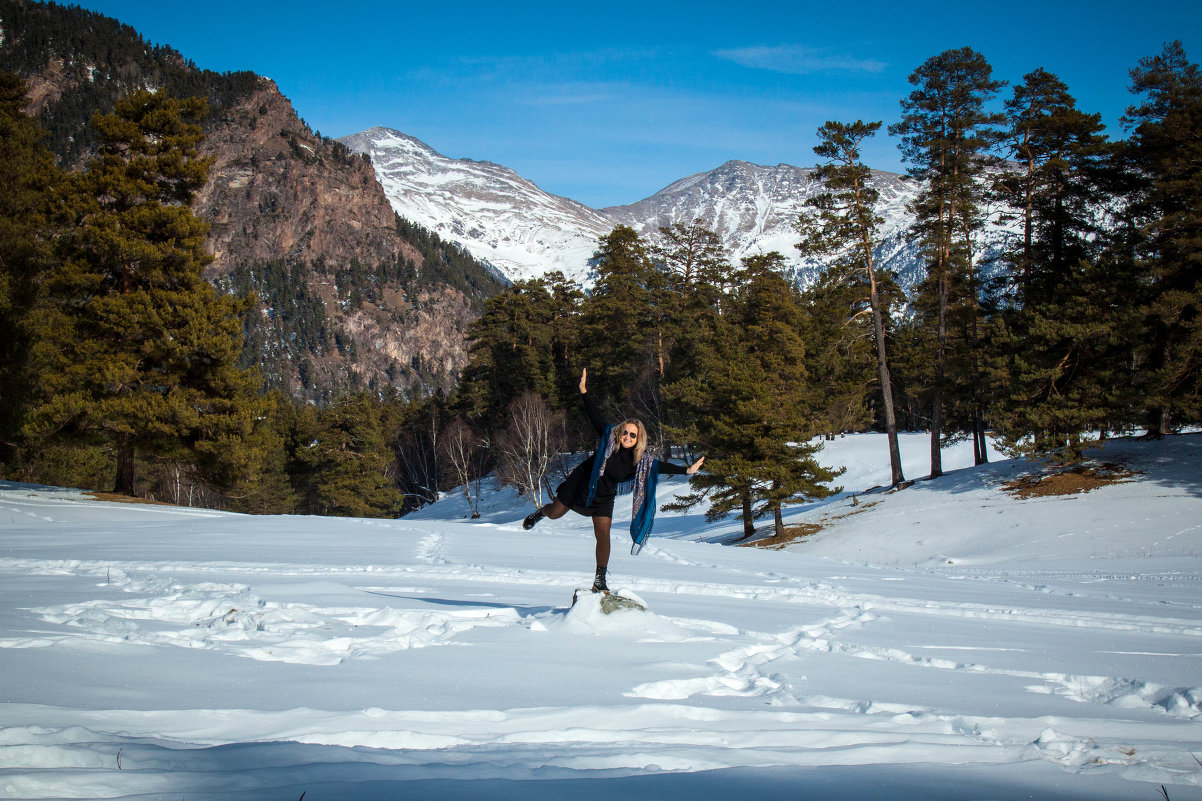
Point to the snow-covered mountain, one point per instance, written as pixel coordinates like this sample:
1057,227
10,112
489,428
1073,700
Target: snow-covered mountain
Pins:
524,232
489,210
754,207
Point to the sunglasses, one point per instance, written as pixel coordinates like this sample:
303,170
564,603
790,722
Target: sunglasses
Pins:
631,434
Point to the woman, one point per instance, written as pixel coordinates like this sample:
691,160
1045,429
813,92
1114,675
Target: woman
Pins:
591,487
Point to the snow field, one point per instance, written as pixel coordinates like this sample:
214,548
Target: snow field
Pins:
946,641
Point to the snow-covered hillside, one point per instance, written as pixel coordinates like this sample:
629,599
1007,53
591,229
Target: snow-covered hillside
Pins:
524,232
945,642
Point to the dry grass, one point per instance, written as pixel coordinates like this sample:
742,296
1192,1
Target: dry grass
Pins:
1067,481
803,531
791,535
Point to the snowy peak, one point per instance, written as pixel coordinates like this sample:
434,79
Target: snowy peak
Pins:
491,211
754,208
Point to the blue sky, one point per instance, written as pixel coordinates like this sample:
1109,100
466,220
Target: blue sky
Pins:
608,103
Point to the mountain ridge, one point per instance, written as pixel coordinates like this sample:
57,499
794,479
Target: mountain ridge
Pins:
524,232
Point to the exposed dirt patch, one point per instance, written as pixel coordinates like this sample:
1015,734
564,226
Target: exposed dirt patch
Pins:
119,498
1068,480
792,534
858,507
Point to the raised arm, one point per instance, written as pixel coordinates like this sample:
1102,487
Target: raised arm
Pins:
590,408
680,470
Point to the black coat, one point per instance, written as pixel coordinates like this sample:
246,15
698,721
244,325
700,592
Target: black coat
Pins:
620,467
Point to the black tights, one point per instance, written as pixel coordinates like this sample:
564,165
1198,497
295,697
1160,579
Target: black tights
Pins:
557,509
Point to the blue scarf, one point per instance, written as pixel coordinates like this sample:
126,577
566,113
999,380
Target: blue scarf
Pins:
646,477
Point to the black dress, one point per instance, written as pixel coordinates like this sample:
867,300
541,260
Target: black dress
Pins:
619,467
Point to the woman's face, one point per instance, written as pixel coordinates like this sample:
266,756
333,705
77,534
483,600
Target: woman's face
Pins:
630,435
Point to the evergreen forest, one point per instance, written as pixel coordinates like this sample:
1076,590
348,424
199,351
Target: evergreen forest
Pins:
120,366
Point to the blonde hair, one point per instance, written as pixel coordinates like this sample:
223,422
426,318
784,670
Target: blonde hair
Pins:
640,446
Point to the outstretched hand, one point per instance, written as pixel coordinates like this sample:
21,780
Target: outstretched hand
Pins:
583,379
695,466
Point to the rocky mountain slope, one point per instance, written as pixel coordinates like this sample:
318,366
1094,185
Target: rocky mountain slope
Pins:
304,223
524,232
348,299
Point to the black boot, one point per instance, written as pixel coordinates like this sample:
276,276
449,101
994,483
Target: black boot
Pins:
599,581
532,518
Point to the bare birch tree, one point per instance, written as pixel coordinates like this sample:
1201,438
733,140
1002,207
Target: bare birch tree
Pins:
527,449
466,452
417,450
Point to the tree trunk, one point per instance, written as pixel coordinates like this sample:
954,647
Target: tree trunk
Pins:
864,216
936,425
979,437
937,398
778,521
124,484
748,523
980,452
882,365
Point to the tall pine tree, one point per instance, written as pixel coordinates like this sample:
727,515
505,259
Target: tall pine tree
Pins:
134,349
346,463
749,407
696,275
845,225
28,176
620,336
1165,150
1060,339
946,134
511,348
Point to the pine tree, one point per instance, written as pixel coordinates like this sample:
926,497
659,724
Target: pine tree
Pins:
749,407
619,331
695,264
347,461
134,348
846,226
259,481
1165,150
695,276
1061,339
28,176
1059,156
946,133
565,299
511,354
840,360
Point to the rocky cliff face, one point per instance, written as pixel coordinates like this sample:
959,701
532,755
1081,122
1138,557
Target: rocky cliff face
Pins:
279,195
277,191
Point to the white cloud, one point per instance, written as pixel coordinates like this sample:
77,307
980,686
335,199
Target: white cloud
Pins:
798,60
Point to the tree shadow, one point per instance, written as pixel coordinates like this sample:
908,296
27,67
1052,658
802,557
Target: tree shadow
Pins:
523,610
286,770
